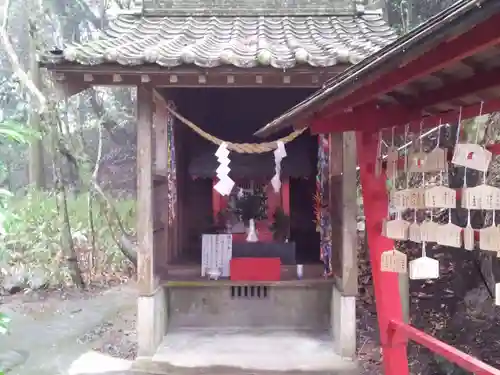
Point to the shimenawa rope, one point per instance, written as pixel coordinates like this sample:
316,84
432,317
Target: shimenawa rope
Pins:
241,148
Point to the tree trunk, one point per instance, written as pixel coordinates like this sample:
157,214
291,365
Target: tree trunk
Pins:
36,154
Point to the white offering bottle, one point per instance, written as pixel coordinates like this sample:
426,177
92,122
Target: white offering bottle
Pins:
252,233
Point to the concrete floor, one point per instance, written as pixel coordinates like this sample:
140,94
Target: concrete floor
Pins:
251,349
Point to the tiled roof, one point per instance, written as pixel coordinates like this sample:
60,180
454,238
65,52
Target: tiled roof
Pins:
281,42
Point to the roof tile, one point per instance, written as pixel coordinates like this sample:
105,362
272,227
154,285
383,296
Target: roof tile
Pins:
280,42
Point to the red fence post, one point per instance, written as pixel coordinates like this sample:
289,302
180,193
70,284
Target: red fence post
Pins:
376,204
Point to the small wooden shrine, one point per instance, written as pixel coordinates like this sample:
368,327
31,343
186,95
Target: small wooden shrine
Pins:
252,174
442,72
207,78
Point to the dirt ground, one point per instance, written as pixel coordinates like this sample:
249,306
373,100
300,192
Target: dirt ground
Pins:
457,309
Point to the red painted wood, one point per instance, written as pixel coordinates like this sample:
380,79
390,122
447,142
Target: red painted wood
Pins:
381,119
285,197
480,81
255,269
217,205
387,298
373,116
474,365
479,38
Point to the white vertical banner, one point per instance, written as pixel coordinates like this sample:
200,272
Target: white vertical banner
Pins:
216,253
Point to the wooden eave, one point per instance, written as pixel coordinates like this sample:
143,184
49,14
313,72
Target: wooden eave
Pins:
192,76
449,63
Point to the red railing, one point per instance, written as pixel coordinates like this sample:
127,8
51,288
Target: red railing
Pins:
400,332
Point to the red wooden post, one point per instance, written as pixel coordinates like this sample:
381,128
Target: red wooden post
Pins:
285,196
388,303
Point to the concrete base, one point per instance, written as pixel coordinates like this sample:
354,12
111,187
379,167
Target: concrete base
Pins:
286,314
343,324
251,349
151,322
284,307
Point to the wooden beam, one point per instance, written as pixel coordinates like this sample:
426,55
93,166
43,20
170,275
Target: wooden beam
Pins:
146,278
193,70
479,38
480,81
242,78
408,110
388,302
370,117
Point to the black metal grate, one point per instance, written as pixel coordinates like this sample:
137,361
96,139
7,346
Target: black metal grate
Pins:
249,291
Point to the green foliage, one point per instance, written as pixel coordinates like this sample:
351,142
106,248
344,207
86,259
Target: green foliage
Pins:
33,236
281,225
12,131
252,205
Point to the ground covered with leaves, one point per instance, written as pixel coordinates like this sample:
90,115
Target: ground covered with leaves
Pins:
457,309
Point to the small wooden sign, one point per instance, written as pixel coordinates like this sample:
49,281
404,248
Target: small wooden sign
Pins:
436,160
393,261
417,198
468,234
490,199
497,294
414,233
471,155
400,199
471,197
440,197
397,229
489,238
417,162
429,231
449,235
424,268
392,161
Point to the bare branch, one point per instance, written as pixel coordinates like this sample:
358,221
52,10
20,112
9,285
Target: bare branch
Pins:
14,60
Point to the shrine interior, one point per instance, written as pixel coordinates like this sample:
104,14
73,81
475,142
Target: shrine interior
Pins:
234,114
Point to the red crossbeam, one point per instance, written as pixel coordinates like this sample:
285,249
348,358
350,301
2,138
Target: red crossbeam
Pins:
480,81
401,330
477,39
371,118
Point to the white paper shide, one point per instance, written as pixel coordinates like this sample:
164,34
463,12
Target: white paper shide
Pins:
279,155
225,183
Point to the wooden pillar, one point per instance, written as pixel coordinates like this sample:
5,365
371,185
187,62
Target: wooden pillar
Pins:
160,191
343,214
388,302
349,215
145,261
343,210
152,301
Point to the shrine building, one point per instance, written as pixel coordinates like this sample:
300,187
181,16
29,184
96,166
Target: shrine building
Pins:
209,73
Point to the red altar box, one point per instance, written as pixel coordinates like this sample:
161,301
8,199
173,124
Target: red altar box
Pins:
255,269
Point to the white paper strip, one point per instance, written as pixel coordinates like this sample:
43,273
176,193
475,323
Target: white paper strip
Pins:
222,170
222,151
